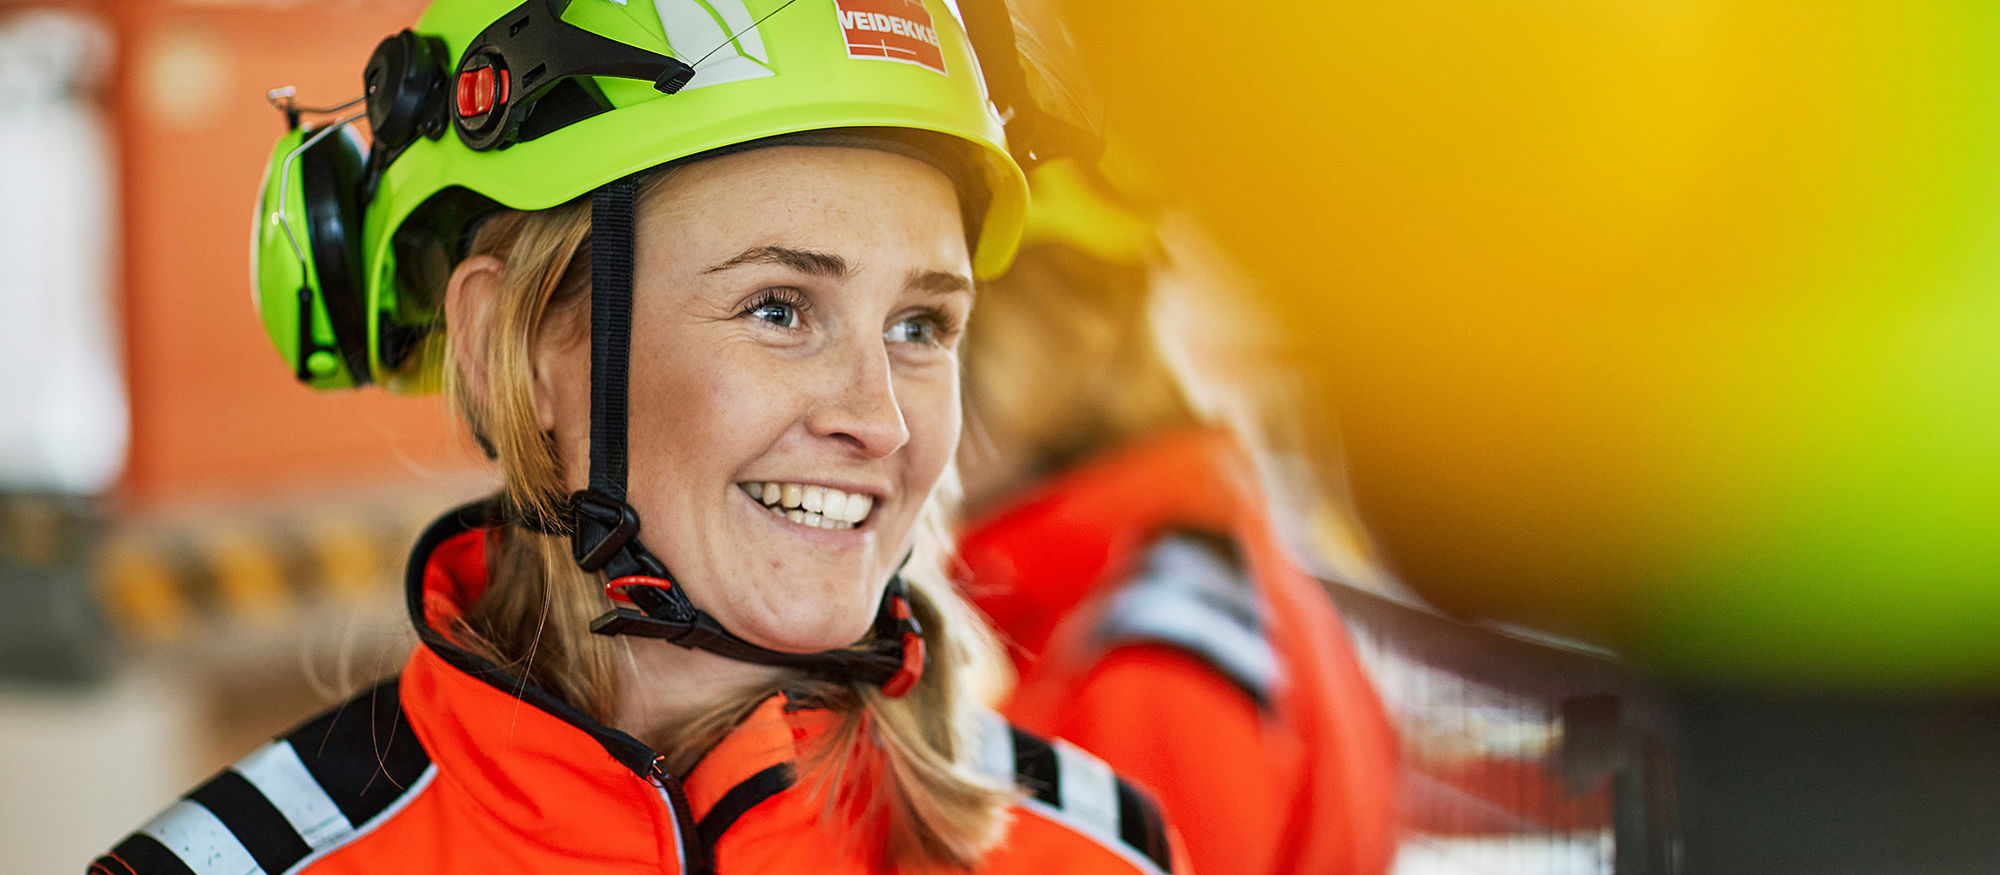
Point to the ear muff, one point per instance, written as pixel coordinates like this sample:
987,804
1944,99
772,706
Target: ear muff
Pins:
306,251
404,85
307,254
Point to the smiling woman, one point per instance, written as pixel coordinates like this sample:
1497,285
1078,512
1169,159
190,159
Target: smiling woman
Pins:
728,307
823,366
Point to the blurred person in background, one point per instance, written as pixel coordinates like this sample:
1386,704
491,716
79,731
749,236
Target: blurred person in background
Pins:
736,287
1121,543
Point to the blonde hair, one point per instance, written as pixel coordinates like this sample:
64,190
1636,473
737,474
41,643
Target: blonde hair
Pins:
903,768
1065,359
1073,354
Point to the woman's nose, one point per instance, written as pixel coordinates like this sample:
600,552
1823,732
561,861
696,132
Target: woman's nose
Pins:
859,404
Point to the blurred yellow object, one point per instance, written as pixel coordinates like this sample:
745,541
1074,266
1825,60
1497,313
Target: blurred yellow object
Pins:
142,593
1671,326
249,578
352,564
1074,206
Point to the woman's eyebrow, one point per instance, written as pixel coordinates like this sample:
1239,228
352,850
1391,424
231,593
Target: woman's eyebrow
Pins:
938,282
805,261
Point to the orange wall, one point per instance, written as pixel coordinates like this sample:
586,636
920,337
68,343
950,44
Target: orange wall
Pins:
214,411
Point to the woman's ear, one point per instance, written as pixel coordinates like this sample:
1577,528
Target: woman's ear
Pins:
544,358
469,301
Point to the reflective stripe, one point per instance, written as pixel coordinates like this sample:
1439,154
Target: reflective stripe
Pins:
1089,791
996,748
1159,614
1193,596
276,772
1110,842
194,834
417,788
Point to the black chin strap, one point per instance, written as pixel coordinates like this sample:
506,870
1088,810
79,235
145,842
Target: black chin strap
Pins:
605,535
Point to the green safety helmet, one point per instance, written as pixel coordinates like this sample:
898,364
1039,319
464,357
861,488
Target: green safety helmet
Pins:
527,104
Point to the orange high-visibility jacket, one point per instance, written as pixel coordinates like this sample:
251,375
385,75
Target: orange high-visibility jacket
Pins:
456,767
1157,623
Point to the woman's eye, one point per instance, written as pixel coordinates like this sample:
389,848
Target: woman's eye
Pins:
776,310
919,329
782,315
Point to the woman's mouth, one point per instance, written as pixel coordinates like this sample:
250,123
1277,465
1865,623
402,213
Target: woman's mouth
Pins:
816,507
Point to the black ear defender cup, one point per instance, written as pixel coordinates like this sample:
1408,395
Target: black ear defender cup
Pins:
404,86
329,172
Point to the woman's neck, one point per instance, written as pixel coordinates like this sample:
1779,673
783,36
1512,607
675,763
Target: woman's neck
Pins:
664,689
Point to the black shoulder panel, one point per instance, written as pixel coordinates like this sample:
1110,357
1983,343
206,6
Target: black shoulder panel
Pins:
1192,593
1079,791
299,797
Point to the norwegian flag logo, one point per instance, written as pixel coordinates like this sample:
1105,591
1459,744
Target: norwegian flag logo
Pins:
891,30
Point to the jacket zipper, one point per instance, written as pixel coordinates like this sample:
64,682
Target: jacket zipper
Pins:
696,858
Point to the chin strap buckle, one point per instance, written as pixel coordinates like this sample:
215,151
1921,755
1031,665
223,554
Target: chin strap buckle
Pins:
658,609
604,526
651,606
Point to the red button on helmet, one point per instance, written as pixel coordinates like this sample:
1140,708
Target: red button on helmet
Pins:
480,90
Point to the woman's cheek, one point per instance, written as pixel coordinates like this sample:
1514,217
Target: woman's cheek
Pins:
932,411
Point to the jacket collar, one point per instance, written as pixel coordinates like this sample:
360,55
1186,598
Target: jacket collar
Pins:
547,770
1030,563
446,574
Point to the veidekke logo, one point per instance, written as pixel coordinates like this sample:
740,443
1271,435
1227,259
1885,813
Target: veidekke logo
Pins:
893,30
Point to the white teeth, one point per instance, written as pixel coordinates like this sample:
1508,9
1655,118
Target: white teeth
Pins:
818,506
858,506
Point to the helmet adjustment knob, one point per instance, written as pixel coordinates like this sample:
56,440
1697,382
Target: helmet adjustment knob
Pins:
480,90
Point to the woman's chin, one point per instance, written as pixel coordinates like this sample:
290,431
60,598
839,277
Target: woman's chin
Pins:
805,632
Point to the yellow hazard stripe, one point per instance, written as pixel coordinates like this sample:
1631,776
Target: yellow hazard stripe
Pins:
249,576
158,585
142,591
